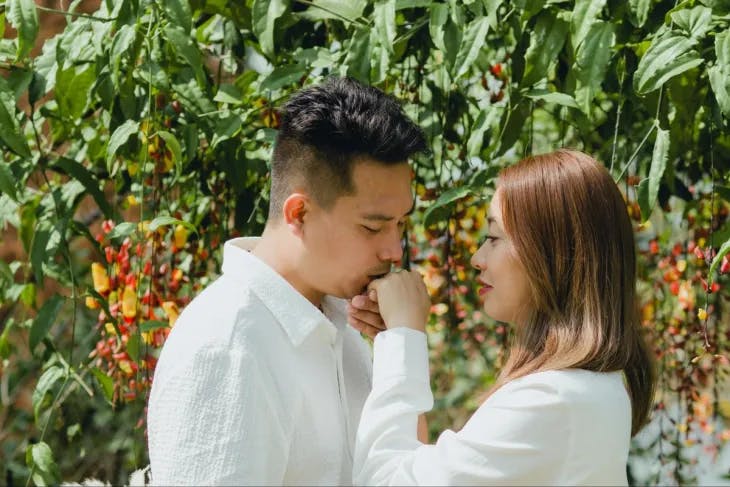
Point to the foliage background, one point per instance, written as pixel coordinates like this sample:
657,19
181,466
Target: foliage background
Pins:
137,140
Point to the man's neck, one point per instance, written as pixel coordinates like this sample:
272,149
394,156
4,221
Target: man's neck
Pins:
274,249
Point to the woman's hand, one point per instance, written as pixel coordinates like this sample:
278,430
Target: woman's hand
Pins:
402,300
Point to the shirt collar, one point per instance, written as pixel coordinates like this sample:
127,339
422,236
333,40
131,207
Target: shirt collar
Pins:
295,313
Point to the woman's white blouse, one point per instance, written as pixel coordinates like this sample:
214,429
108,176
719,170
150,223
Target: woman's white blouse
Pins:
565,427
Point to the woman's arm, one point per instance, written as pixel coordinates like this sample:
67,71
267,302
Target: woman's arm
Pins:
520,435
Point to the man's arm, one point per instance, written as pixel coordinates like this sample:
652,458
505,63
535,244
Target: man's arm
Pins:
210,423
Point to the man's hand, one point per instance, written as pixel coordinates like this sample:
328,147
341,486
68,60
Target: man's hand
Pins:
364,316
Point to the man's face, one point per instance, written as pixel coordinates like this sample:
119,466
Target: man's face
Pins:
359,237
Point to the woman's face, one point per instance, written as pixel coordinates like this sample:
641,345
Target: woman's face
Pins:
502,278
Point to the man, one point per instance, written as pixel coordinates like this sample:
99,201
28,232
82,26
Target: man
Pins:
262,381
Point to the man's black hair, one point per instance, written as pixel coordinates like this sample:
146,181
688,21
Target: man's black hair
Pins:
325,129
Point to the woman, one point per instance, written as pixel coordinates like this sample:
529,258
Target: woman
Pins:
559,266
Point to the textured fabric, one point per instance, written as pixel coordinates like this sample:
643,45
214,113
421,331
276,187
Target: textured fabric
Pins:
566,427
256,386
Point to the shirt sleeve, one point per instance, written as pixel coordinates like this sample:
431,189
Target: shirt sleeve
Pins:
518,436
211,421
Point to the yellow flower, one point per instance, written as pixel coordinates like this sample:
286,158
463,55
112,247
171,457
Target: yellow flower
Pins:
91,302
100,278
109,327
125,367
129,302
181,236
172,311
702,314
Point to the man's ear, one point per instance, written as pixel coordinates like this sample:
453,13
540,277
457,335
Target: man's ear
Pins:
295,209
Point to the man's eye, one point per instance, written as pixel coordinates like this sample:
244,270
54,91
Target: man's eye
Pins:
370,230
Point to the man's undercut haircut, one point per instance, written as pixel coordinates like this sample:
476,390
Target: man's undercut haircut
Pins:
326,129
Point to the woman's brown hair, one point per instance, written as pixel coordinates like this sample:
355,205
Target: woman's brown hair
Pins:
571,231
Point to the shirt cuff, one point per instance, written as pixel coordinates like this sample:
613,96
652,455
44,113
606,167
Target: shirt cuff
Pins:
398,353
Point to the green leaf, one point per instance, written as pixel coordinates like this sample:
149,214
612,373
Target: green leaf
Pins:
39,457
552,97
384,14
357,61
658,164
439,17
473,41
23,16
722,252
183,45
403,4
485,120
592,60
6,348
121,231
283,76
10,132
119,138
642,197
230,94
264,14
166,221
348,11
85,177
133,346
719,74
584,16
52,375
440,208
172,143
38,253
179,14
546,42
7,182
105,382
121,45
720,82
639,11
694,21
152,325
45,319
667,57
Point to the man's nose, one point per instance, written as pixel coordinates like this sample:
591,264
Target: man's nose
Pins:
392,250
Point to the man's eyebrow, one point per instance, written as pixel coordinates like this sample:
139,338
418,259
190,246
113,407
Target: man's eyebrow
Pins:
385,218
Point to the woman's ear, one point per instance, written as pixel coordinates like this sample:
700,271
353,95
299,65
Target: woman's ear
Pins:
295,209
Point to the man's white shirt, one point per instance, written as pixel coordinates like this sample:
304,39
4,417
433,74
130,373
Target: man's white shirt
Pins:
256,386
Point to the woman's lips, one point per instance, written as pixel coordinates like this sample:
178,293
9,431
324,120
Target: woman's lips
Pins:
484,289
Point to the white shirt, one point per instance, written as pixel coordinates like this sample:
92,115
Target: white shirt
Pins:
566,427
256,386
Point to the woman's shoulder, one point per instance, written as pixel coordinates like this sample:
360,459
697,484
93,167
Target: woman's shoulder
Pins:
572,385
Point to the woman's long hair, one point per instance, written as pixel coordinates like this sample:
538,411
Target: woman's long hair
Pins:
572,234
